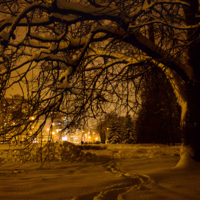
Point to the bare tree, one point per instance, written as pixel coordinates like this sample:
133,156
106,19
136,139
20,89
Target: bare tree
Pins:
83,56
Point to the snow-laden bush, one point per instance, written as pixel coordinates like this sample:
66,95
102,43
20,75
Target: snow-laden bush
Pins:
51,152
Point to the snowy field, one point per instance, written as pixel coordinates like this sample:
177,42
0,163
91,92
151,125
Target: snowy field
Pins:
116,172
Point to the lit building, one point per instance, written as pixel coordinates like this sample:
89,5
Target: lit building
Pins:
11,111
57,129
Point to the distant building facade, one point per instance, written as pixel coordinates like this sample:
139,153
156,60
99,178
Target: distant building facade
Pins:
11,111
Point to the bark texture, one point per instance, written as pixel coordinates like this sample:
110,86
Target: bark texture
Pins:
191,137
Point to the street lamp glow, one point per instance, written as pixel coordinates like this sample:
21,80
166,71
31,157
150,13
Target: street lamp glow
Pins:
47,129
53,133
65,138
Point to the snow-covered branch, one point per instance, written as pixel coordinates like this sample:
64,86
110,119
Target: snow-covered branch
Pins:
23,22
47,38
63,79
155,51
89,11
43,56
157,21
150,48
147,7
21,15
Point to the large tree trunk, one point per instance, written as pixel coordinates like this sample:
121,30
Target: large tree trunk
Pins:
191,137
103,136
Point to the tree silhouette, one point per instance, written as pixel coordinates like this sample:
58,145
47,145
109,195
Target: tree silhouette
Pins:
128,131
114,131
158,120
74,57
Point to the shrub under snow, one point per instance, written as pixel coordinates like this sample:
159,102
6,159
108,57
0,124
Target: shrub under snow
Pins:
52,152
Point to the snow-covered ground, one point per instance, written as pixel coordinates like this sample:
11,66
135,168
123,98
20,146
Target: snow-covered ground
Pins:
119,172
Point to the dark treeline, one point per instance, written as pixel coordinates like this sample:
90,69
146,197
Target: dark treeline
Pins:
158,120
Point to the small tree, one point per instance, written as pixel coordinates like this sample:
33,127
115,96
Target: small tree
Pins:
103,124
114,131
128,134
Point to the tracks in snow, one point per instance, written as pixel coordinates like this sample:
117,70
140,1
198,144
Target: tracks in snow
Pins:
119,191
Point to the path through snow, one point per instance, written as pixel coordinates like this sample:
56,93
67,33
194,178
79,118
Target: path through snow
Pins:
120,172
